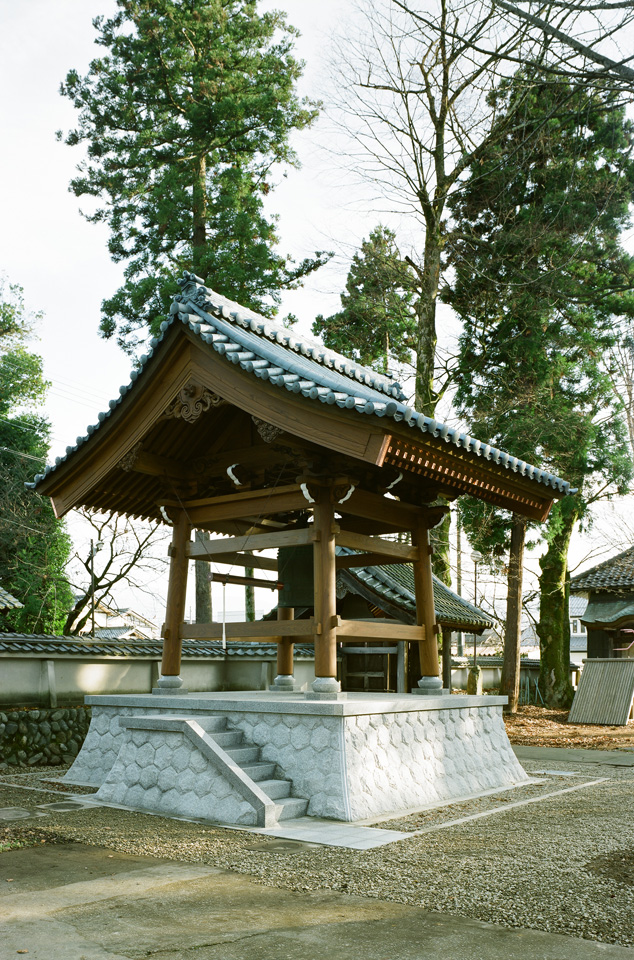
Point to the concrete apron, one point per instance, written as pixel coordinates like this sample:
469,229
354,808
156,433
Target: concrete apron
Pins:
251,759
80,901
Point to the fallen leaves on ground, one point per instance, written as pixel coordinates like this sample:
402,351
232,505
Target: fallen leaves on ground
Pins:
542,727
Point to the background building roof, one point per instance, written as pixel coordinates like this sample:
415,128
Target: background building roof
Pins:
614,574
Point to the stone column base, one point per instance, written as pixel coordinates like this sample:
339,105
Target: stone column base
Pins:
169,685
285,683
429,687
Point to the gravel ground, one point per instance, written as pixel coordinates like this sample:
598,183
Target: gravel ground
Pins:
563,864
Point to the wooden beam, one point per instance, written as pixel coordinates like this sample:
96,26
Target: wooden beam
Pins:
255,541
156,466
373,506
252,503
366,560
261,629
368,630
386,548
244,560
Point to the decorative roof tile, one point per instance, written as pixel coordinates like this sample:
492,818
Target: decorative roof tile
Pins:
7,602
301,365
614,574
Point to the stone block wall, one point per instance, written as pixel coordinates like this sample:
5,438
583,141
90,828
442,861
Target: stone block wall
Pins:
40,737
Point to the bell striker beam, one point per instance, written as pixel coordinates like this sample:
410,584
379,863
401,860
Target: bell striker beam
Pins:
175,607
425,613
325,592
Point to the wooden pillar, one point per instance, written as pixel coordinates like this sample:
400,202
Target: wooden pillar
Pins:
285,645
325,585
176,595
425,611
446,658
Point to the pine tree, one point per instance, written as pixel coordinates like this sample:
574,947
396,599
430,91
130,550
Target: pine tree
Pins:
34,547
186,118
376,324
540,277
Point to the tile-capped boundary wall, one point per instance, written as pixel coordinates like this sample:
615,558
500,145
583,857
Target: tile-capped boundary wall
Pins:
39,737
356,759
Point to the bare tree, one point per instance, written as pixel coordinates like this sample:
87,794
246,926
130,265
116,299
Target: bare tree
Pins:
126,556
416,95
596,59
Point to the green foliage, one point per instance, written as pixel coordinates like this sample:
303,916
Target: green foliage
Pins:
540,276
541,282
34,547
376,324
186,117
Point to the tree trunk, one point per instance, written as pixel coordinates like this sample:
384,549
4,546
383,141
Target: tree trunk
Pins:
510,682
553,628
203,586
249,598
199,214
426,338
439,539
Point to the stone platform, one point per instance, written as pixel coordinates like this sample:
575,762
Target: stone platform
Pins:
253,758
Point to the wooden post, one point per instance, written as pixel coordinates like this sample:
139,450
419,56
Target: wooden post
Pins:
446,658
285,645
325,586
176,595
425,611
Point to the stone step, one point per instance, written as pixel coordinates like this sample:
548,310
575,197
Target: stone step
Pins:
263,770
211,724
290,807
227,738
275,789
243,754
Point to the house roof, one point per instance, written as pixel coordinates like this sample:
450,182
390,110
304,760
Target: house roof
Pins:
392,586
577,606
300,366
617,573
7,602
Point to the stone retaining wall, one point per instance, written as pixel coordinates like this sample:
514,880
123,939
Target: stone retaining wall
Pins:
31,738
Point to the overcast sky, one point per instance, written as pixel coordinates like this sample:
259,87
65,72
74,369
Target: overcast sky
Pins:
62,262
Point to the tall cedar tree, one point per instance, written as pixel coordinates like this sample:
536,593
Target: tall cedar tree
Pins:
376,324
185,119
540,281
34,548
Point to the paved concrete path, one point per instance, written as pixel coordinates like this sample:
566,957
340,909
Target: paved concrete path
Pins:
75,902
608,758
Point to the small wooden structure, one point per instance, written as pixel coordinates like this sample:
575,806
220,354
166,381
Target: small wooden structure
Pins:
242,428
609,614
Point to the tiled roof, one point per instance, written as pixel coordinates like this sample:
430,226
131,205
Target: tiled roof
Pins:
614,574
196,649
7,602
577,606
301,365
395,583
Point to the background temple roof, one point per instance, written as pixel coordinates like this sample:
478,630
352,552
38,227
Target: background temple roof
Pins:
617,573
